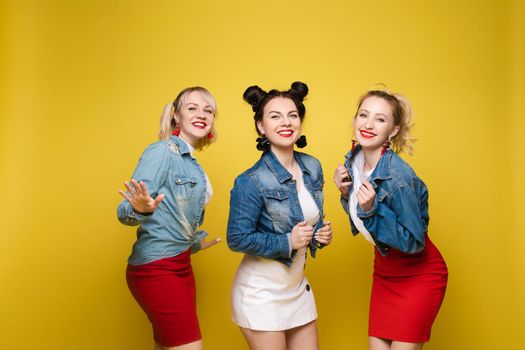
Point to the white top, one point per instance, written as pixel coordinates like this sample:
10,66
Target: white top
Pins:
209,189
359,175
269,296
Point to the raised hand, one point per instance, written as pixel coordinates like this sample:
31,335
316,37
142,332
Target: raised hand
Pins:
324,234
207,244
301,235
366,196
139,197
342,180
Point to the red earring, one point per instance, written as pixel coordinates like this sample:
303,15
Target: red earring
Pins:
210,135
176,132
353,145
387,146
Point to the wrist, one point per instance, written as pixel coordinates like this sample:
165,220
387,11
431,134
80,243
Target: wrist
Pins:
143,213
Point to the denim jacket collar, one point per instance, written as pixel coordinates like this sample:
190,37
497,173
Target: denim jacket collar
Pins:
382,170
278,169
181,145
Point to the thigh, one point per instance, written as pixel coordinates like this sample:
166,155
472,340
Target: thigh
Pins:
197,345
263,340
375,343
302,337
399,345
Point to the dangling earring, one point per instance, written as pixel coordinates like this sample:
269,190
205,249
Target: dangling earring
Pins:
176,132
262,143
353,145
301,142
387,146
210,135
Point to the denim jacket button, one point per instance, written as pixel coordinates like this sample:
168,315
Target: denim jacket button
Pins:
179,181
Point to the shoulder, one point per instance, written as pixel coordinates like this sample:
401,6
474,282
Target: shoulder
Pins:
309,161
402,172
249,176
161,147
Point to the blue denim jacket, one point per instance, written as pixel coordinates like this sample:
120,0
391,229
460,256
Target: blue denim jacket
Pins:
167,167
264,207
399,217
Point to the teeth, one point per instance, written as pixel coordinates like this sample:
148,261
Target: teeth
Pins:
199,124
285,133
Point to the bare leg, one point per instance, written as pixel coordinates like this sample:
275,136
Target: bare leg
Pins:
262,340
196,345
302,337
375,343
399,345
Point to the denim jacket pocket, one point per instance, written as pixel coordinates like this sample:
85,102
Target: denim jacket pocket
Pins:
278,207
184,187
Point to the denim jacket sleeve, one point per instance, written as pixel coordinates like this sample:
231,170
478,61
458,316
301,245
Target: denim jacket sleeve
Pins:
152,169
399,224
246,206
199,235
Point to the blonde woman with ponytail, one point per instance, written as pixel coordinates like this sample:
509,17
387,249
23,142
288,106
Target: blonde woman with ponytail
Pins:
388,204
166,198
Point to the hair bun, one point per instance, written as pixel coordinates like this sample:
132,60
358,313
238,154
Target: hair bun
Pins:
299,90
254,95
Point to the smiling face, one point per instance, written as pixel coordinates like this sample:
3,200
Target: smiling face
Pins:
280,123
194,118
374,123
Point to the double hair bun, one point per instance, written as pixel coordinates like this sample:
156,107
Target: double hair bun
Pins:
254,95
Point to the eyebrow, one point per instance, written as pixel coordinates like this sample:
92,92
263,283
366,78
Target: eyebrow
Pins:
195,104
294,111
362,109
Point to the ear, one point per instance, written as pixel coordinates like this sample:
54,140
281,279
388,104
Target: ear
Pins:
260,127
394,131
176,118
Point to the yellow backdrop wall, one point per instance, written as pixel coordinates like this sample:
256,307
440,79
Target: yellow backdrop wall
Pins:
82,87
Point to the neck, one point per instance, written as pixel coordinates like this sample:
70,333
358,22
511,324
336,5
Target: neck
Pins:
372,157
284,156
188,140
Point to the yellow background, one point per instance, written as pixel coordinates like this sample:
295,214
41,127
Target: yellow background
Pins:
82,87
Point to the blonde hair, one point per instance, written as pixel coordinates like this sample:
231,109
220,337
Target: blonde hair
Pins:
402,113
168,123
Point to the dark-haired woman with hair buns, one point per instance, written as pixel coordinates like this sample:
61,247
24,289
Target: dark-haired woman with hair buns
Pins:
276,216
388,204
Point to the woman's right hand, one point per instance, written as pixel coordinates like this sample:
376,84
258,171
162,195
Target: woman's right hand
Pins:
139,197
342,180
302,234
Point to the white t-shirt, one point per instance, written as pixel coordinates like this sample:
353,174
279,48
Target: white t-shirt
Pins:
359,175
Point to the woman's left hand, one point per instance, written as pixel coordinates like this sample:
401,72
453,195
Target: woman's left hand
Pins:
324,235
366,196
206,244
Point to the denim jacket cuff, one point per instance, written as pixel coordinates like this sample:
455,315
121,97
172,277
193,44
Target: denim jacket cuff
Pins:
366,214
289,235
199,235
136,216
344,203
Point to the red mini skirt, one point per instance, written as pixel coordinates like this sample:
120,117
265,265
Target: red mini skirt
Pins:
407,292
165,290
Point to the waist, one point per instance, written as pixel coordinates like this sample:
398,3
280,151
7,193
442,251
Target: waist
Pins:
397,263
